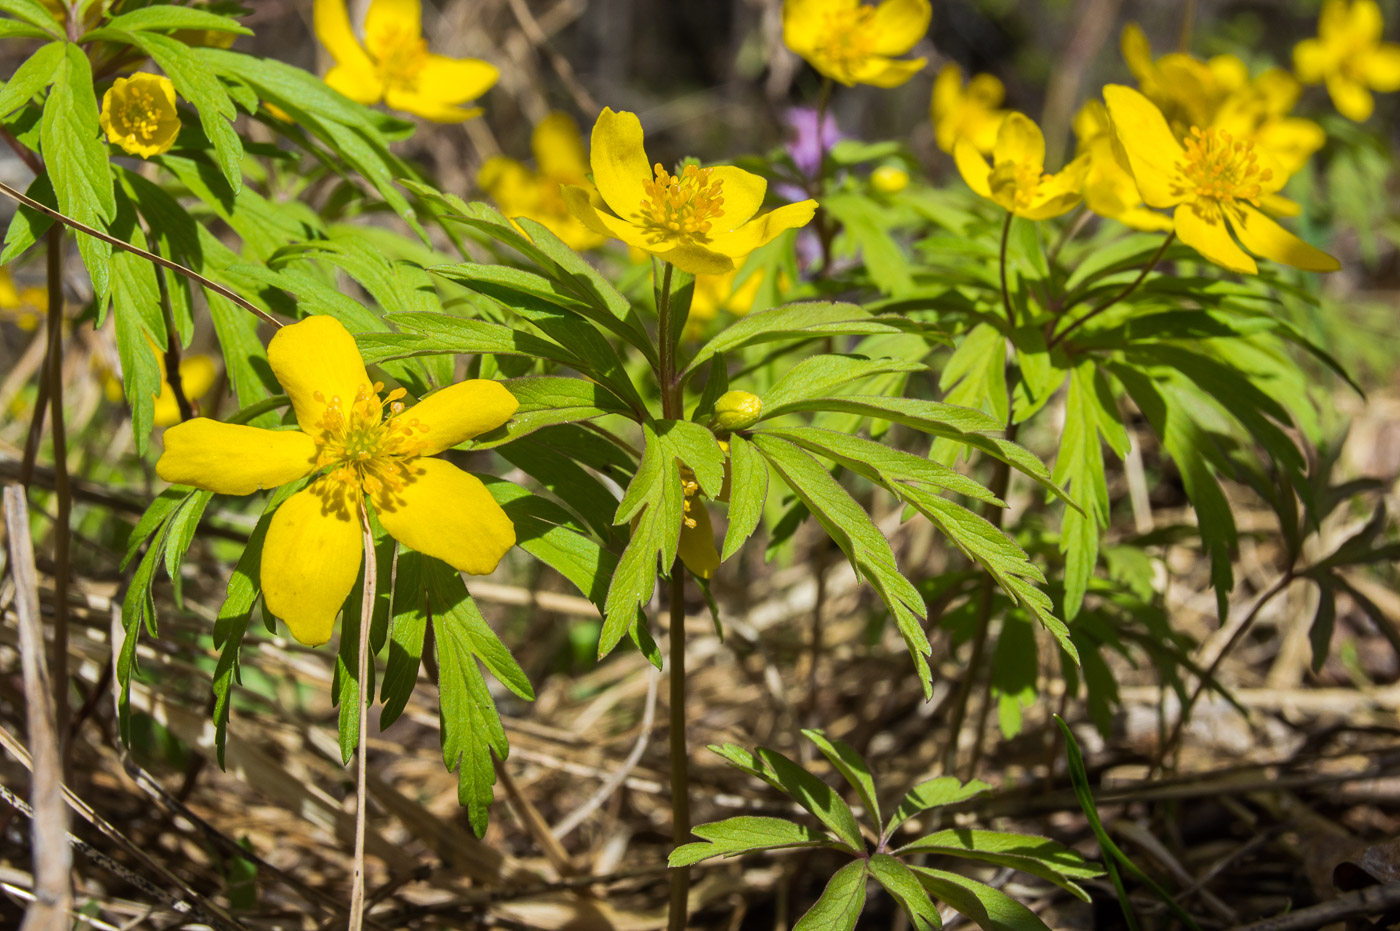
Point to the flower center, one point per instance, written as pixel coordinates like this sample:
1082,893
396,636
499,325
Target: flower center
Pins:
399,55
1014,184
849,37
142,112
1222,168
682,206
363,448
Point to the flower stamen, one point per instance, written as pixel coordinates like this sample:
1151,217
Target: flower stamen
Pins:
1222,168
363,447
682,206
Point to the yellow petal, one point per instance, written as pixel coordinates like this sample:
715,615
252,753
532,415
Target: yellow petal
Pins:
455,80
805,22
879,71
197,376
763,230
898,25
447,513
620,165
317,355
393,18
1382,68
332,24
1202,227
973,167
1019,141
1148,221
1333,20
1137,51
232,459
697,545
361,85
459,412
1290,141
311,558
1365,24
509,183
1148,142
581,206
1351,99
558,147
1264,237
428,106
1280,206
694,258
743,194
1311,61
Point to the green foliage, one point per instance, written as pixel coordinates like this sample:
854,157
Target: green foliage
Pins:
915,887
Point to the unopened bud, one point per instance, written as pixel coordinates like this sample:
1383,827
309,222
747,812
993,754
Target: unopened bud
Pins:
736,410
888,179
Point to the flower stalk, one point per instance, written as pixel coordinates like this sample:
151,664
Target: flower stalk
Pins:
357,890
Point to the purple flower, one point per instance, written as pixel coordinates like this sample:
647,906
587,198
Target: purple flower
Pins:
805,144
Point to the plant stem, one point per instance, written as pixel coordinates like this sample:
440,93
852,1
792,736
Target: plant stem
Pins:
61,488
357,890
826,234
1005,291
680,758
1142,276
666,355
1209,675
173,377
160,260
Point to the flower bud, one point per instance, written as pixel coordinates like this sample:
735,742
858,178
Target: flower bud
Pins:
889,179
736,410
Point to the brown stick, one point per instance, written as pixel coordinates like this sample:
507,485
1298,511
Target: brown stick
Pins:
62,532
1366,901
53,895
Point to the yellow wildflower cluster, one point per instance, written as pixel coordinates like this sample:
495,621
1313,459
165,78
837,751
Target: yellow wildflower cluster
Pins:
856,43
1349,57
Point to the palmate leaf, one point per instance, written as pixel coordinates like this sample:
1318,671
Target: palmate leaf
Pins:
816,376
34,13
140,326
1038,856
866,548
852,768
747,495
1079,467
804,788
170,18
33,75
444,334
990,908
904,887
933,793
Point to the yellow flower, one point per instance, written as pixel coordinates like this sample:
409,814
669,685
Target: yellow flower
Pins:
138,114
853,42
972,112
394,64
714,293
1109,188
697,544
197,375
1258,111
1349,56
1188,91
700,220
1016,178
22,308
559,160
311,556
1215,182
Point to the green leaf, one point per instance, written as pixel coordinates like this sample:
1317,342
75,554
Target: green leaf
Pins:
841,901
406,635
547,401
929,416
1320,633
1114,857
541,529
578,488
906,889
76,160
851,767
181,534
435,333
34,13
866,548
798,321
140,326
1038,856
744,834
346,688
138,611
815,796
748,490
174,17
695,446
975,375
816,376
33,75
991,909
471,727
933,793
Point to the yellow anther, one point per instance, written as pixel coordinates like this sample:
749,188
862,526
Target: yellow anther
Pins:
363,448
682,206
1222,168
